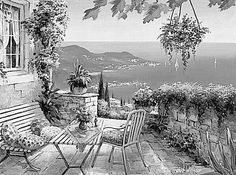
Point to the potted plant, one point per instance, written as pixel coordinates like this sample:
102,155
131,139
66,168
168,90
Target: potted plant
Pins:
79,79
83,117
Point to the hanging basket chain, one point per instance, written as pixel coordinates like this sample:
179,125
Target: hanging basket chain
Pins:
172,14
180,9
195,14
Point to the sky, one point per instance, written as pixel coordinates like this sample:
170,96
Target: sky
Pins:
222,24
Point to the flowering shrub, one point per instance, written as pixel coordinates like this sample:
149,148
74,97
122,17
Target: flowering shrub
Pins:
219,98
142,97
184,142
103,108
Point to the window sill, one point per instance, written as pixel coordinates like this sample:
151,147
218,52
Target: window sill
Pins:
16,77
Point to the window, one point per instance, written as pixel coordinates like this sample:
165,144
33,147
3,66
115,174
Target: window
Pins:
11,51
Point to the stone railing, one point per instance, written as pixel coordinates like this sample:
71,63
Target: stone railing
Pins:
72,103
179,121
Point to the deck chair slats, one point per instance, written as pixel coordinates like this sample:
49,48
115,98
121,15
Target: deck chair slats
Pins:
18,118
15,108
11,115
20,110
133,129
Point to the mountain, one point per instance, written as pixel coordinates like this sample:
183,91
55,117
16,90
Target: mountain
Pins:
94,62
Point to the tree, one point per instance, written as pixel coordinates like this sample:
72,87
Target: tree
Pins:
112,95
121,102
101,94
128,100
107,98
152,10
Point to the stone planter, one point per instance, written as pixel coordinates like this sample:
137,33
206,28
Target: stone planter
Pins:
79,90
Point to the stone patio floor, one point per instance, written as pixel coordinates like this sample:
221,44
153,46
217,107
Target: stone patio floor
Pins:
49,161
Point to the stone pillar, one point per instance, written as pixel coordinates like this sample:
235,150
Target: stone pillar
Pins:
72,102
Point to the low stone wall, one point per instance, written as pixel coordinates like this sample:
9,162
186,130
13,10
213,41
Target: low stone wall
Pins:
71,103
19,93
179,121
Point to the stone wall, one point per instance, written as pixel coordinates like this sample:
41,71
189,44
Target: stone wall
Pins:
19,92
71,103
179,121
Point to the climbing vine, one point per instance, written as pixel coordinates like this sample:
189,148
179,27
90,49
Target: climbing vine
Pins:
47,27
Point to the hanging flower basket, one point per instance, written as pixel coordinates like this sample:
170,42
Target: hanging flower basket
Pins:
182,36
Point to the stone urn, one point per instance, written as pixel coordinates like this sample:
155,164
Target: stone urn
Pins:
79,90
83,125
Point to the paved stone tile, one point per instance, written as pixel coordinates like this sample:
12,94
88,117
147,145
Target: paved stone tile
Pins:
49,161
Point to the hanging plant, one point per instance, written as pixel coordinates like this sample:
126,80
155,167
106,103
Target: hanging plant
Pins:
182,36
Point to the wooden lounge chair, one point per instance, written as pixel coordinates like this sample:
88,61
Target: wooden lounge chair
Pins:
125,136
21,116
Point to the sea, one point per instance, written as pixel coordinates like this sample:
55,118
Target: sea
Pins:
213,63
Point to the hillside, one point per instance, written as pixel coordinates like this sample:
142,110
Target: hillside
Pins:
94,62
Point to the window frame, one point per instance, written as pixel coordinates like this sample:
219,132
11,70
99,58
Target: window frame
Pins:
22,10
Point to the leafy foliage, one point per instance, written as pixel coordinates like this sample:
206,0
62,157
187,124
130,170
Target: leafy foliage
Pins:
223,4
182,37
83,115
49,104
100,3
228,165
157,122
2,72
79,78
142,97
103,108
175,3
184,96
184,142
154,12
91,13
118,6
151,9
47,27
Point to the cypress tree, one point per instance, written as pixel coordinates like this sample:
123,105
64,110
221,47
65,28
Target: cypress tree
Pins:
121,102
112,95
107,98
101,94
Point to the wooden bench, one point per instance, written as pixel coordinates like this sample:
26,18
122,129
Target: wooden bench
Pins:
21,116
